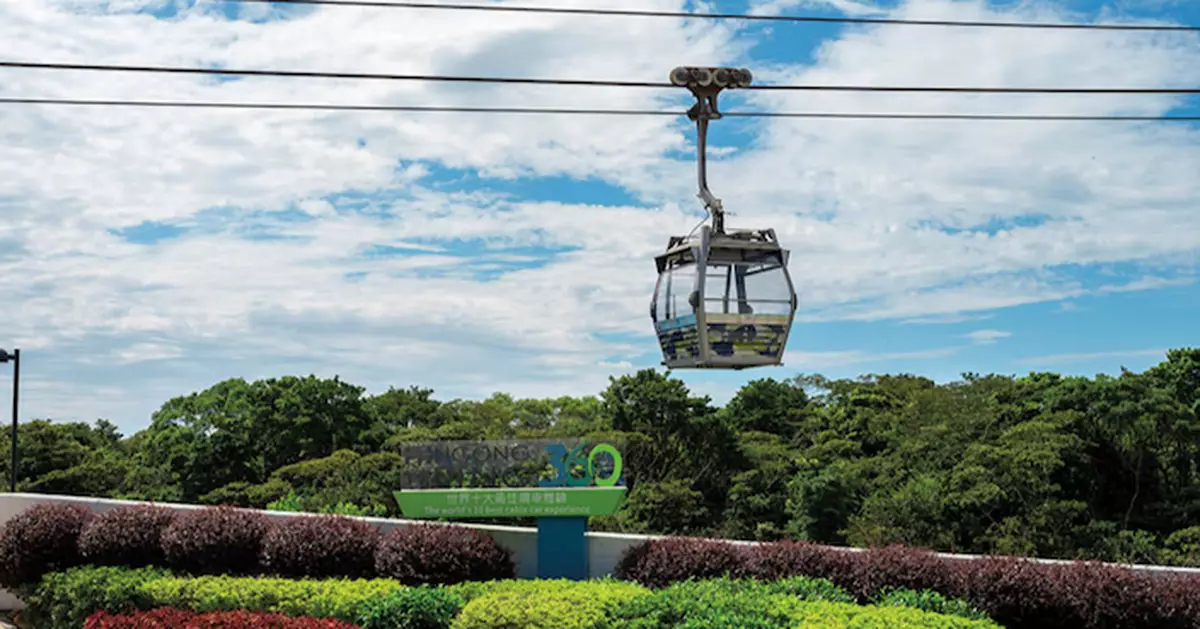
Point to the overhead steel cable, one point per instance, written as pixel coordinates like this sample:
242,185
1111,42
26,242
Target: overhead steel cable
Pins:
328,75
729,16
35,65
566,111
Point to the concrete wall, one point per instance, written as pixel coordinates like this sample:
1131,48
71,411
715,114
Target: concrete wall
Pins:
604,549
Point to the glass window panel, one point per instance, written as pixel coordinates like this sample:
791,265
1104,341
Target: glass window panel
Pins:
765,289
675,285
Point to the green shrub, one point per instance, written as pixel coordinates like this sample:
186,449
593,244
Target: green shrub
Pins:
343,599
412,608
742,602
64,600
809,589
749,605
289,503
803,588
471,590
929,601
709,603
553,605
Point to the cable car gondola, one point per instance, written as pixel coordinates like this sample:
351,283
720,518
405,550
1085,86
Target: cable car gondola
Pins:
724,300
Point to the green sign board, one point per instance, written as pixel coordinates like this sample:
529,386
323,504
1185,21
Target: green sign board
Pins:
510,502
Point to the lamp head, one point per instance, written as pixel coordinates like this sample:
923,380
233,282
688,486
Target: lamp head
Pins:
5,356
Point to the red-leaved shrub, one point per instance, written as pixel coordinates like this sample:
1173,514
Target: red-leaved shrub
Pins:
168,618
126,536
439,554
1016,593
1029,595
216,540
41,539
661,562
321,547
1179,597
771,562
871,570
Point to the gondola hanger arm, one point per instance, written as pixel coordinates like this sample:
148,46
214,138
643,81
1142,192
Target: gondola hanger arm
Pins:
706,85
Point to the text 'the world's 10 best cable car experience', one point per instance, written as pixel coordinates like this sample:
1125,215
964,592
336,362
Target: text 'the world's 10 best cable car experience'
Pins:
724,300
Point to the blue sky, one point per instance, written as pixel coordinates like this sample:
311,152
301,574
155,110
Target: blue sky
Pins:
164,251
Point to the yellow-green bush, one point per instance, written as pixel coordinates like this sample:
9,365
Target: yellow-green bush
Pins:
331,598
545,605
472,590
825,615
412,608
742,604
64,598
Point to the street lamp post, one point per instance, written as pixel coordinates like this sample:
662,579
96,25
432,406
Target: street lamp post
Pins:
15,357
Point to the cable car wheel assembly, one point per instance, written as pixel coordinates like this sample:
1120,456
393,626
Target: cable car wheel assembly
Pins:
725,299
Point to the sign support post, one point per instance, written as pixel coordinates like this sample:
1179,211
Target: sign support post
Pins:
562,548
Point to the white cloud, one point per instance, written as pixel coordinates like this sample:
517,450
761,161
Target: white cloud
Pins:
1060,359
987,337
849,7
946,319
856,201
810,361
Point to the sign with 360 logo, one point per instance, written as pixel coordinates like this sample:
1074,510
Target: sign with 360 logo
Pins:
578,467
511,479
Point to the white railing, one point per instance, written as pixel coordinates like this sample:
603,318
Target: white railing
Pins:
604,549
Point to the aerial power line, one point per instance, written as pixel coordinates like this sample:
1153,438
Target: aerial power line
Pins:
565,111
727,16
577,82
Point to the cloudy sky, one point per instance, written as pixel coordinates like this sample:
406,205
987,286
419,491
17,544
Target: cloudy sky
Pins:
146,253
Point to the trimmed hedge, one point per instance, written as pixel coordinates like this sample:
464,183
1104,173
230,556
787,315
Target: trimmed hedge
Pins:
701,605
1017,593
126,536
554,605
64,600
321,546
167,618
332,598
742,603
927,600
665,561
40,540
442,555
231,541
216,540
412,608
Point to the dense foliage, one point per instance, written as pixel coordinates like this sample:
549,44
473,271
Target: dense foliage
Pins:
325,598
725,603
320,546
126,536
64,600
139,598
1018,593
220,540
40,540
226,542
1043,464
411,608
440,554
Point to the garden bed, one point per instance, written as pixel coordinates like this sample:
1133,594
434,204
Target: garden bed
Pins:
148,598
152,568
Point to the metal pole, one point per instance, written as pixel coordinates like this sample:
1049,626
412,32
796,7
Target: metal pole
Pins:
16,356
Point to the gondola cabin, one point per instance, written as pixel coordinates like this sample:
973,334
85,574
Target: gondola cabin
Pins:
723,300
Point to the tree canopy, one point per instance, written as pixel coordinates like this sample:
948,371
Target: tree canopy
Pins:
1043,464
